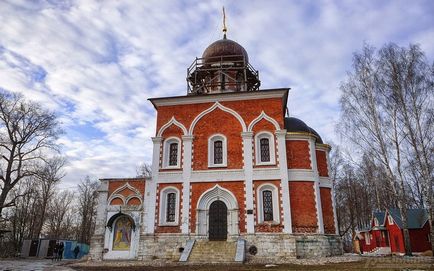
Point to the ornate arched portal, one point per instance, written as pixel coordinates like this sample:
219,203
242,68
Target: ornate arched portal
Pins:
221,202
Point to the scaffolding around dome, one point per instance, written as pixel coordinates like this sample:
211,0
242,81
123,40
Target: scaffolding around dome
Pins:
225,73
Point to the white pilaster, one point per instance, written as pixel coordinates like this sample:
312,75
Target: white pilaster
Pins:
248,175
316,185
101,211
151,188
283,166
335,217
186,174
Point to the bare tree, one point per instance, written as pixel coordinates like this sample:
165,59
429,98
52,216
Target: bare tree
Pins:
26,131
87,203
377,119
144,171
59,215
47,177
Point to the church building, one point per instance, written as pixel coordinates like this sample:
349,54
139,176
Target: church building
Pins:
233,177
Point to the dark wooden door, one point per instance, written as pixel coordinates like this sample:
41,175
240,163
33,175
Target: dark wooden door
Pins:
51,245
218,221
33,248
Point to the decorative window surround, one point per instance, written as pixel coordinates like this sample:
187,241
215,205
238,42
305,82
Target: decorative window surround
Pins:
163,206
260,202
211,141
166,153
271,147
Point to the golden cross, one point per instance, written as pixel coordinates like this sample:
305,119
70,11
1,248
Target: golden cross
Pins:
224,23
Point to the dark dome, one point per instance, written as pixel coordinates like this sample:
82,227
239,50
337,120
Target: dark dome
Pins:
224,47
297,125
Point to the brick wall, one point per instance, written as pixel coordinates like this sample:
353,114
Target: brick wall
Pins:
139,184
249,110
167,229
321,161
217,122
267,227
237,188
303,208
327,210
261,126
297,153
171,131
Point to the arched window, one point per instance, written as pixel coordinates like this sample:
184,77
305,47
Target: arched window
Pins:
264,149
217,151
122,234
268,205
169,206
171,153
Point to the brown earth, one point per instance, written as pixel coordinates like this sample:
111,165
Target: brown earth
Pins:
365,263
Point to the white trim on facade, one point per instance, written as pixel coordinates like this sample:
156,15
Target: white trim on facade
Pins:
170,122
162,221
284,177
271,139
211,140
248,177
317,192
166,153
212,108
185,178
259,204
242,96
116,194
261,116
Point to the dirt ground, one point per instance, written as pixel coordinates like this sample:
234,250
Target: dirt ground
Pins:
365,263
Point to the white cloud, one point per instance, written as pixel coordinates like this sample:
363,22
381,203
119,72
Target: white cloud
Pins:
103,60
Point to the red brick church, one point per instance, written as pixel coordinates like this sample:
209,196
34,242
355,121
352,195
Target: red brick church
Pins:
233,177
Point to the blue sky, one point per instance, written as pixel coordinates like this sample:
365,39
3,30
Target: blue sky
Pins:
97,62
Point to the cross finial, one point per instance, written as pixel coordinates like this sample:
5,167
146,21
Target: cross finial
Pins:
224,24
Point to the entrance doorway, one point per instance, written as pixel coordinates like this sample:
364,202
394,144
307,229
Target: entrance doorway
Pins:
218,221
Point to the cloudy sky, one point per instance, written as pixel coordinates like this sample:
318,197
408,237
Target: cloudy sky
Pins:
96,63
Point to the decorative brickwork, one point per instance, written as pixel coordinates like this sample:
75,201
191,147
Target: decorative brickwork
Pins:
217,122
297,153
138,183
303,209
266,226
248,110
321,161
236,188
167,229
116,201
327,210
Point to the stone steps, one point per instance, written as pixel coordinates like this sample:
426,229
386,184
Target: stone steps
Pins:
205,251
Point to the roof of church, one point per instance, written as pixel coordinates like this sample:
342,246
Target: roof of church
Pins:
224,48
297,125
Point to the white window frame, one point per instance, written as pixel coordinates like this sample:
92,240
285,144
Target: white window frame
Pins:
367,238
211,141
389,217
166,152
163,206
258,138
260,202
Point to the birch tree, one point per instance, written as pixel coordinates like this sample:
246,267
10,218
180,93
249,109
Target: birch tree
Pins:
387,113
